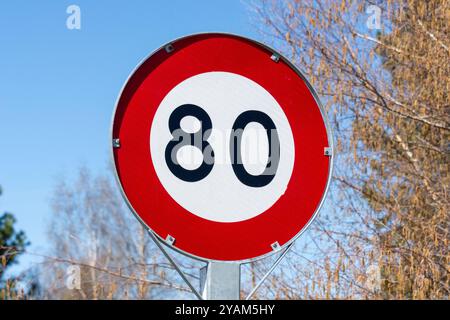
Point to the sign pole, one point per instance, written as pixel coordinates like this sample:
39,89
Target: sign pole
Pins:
221,281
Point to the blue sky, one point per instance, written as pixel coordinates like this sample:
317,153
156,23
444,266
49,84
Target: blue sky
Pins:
58,86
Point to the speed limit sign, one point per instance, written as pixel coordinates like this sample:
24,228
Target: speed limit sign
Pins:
221,147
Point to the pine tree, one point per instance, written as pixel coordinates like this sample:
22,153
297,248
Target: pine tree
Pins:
12,244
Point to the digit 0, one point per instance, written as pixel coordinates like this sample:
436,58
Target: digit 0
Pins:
235,148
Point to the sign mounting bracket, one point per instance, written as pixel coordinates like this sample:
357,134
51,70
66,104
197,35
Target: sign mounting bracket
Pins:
175,265
274,265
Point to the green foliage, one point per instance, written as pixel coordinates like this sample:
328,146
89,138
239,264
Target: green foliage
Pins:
12,242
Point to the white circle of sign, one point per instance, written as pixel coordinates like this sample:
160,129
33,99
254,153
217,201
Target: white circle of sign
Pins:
220,196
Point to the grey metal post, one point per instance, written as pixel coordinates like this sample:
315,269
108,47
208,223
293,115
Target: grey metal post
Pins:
221,281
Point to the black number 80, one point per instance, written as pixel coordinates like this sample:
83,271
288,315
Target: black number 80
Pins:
199,140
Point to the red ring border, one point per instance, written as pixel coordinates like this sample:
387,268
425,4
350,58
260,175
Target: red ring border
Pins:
195,236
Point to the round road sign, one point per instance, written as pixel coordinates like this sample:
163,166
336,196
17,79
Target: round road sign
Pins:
221,147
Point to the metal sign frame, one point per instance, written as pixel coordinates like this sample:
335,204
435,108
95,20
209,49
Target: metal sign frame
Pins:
284,249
